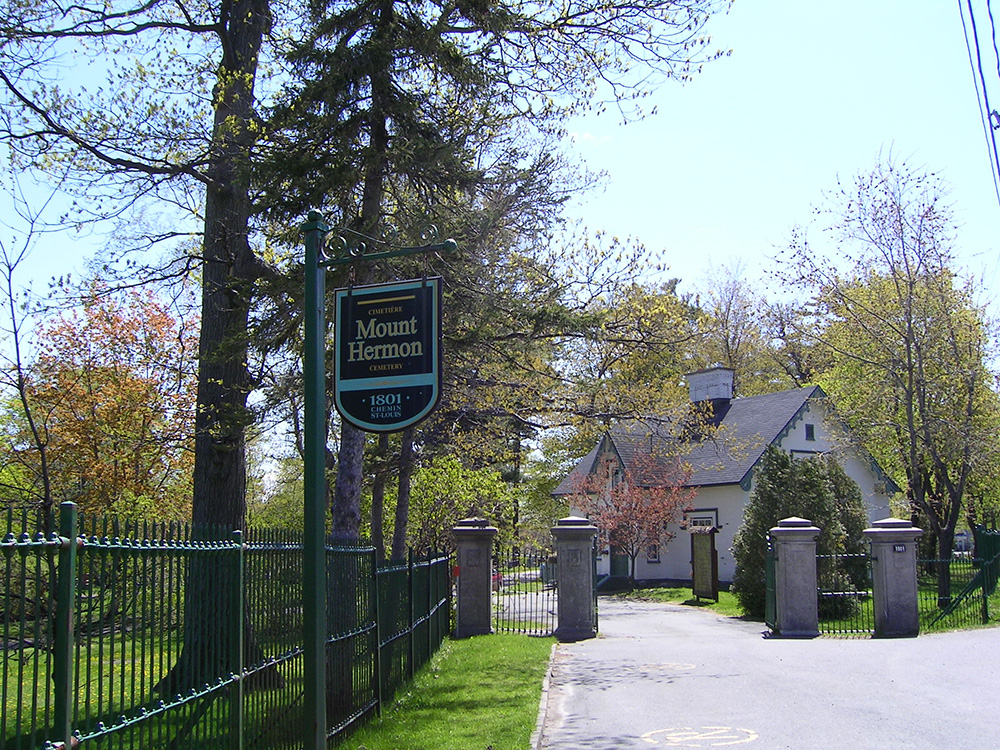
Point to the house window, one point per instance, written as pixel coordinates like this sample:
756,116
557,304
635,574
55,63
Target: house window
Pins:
653,553
810,432
704,518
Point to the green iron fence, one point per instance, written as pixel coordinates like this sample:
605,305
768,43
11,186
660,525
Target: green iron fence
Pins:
845,601
957,593
524,592
162,635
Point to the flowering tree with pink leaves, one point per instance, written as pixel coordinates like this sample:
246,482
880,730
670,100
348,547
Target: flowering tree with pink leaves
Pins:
633,502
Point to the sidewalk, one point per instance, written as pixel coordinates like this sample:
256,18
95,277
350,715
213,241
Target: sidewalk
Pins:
671,676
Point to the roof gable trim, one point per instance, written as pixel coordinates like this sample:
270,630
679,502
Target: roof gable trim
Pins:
746,481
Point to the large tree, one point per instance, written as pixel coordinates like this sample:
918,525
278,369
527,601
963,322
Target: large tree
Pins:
791,331
630,366
171,125
404,91
112,389
739,330
908,346
448,113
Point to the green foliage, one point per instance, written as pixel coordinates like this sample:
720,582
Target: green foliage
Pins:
793,342
850,511
906,348
817,489
275,498
628,365
772,482
163,125
633,368
444,492
538,510
16,479
397,116
230,121
401,115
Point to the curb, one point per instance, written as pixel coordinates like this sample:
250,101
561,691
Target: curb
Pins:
543,704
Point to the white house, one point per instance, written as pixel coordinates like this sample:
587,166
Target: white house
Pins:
723,460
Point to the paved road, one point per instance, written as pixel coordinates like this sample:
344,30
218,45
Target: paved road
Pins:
663,676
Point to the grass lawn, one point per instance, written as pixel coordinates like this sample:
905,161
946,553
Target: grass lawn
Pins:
726,605
475,694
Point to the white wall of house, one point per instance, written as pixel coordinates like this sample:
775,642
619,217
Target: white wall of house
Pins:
826,438
723,505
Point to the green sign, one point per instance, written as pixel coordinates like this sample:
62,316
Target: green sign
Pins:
704,564
387,340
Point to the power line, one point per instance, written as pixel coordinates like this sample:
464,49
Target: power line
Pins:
993,33
991,143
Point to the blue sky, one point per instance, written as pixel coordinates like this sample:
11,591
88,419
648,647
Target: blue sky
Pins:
812,91
737,157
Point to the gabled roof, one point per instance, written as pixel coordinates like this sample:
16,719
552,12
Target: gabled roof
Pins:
746,426
573,481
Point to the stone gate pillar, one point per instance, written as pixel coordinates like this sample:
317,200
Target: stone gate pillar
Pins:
894,577
473,610
574,543
794,543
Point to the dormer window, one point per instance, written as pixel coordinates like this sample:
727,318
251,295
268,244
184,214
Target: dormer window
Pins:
810,432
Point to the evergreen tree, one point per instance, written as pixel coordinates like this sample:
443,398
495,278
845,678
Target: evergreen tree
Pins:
817,489
402,114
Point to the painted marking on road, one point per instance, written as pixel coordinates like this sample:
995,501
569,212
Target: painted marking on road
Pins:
699,736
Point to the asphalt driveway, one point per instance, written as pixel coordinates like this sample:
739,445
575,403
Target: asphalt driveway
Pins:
672,676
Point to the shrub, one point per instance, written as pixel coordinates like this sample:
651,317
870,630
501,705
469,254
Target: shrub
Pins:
817,489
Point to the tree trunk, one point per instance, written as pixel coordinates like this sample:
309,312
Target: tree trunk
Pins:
347,492
403,496
946,538
228,274
346,505
378,496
